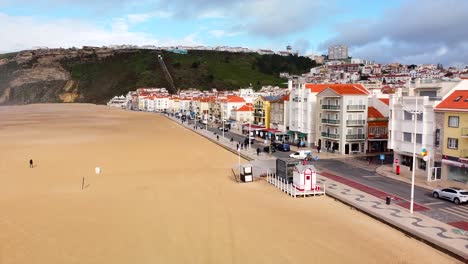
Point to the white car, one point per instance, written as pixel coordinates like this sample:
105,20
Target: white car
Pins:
301,154
453,194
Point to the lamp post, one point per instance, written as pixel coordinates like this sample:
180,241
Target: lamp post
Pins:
414,113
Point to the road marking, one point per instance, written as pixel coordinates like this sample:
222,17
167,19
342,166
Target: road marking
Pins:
455,212
371,176
434,203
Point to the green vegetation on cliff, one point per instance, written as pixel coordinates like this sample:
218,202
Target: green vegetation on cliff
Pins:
101,79
95,77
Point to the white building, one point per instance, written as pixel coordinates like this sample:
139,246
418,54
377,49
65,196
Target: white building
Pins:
401,124
337,52
342,118
243,114
118,101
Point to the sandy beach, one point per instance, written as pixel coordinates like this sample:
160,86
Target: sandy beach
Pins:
165,195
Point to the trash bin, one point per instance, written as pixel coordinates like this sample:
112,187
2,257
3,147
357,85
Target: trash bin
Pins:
388,200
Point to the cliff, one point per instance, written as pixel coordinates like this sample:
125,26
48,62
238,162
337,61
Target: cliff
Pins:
94,75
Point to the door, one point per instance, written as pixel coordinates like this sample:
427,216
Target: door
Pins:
346,150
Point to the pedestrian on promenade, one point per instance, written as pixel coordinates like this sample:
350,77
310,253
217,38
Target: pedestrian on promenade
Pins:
31,163
318,149
232,139
217,137
258,151
237,146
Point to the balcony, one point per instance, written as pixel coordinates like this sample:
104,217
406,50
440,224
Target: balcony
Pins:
331,121
355,122
328,135
356,137
331,107
377,136
355,107
464,132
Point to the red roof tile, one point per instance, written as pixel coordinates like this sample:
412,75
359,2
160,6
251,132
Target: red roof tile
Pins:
456,100
233,99
373,113
338,88
245,108
385,100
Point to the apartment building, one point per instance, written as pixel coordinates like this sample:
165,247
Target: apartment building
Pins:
342,115
451,142
401,126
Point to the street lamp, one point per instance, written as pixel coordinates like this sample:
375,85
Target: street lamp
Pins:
414,113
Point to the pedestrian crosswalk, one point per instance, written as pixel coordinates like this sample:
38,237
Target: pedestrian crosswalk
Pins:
460,211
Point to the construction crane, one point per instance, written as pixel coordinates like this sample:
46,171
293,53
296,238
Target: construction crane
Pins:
167,74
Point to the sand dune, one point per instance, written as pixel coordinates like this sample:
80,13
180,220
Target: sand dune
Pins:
165,196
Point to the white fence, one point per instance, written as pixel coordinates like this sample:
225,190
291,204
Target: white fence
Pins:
291,190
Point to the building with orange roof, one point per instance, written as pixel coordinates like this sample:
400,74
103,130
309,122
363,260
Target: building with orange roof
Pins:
451,144
430,127
303,109
243,114
377,130
342,116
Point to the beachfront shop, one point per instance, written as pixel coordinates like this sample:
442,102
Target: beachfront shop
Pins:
455,169
296,136
254,129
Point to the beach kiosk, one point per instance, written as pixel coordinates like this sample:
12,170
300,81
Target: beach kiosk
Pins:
305,178
246,174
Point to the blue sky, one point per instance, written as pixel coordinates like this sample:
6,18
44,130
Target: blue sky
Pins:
414,31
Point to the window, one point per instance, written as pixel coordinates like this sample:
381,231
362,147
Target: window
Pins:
452,143
420,117
453,121
407,136
408,116
419,138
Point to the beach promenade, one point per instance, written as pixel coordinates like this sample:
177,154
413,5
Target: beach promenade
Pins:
372,201
165,195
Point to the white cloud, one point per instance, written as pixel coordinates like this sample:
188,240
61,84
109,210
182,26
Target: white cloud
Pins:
27,32
218,33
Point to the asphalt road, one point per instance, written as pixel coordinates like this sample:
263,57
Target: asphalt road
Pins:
441,210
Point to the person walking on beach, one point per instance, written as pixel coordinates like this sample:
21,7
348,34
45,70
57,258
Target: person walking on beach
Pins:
31,163
258,151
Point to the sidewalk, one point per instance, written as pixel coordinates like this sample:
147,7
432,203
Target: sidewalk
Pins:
248,154
439,235
405,176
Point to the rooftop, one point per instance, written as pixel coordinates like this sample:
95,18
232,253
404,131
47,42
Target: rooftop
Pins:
457,100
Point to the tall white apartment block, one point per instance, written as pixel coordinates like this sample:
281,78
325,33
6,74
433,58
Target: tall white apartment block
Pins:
337,52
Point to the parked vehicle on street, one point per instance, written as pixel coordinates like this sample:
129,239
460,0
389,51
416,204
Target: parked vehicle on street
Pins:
221,129
282,147
456,195
302,154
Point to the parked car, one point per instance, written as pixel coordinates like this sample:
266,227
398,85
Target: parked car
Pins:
225,129
453,194
267,149
282,147
302,154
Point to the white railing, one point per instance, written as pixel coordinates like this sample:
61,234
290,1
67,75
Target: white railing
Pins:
291,190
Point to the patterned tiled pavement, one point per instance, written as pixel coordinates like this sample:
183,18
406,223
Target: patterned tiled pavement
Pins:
448,238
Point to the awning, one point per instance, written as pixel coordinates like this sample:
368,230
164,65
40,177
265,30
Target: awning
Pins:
454,163
291,133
